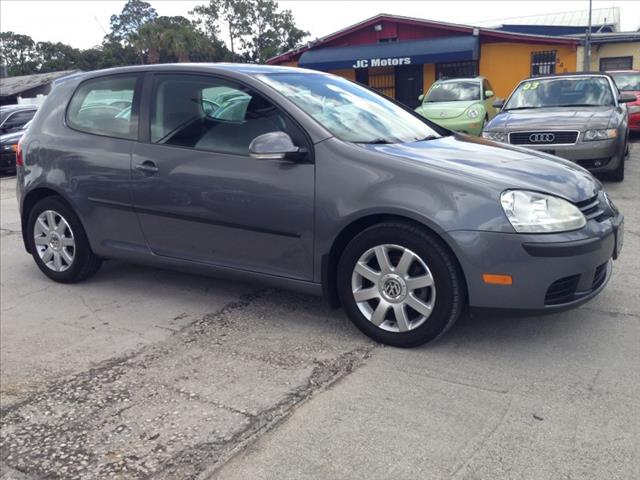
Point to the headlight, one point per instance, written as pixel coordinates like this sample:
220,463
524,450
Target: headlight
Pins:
495,136
473,113
533,212
7,147
590,135
633,108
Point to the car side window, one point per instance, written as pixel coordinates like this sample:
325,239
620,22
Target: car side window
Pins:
102,106
19,119
209,113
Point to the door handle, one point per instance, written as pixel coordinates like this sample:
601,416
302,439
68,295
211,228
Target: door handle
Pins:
146,167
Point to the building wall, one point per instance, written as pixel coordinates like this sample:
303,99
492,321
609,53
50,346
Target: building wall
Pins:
428,76
348,73
505,63
623,49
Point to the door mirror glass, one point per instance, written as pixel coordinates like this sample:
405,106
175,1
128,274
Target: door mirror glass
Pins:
272,146
488,93
626,97
498,103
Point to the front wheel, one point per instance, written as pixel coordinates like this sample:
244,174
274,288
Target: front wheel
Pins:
58,242
400,284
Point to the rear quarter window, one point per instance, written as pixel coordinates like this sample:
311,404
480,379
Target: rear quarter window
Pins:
103,106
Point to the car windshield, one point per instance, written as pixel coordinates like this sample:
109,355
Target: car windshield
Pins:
627,81
562,92
460,91
350,112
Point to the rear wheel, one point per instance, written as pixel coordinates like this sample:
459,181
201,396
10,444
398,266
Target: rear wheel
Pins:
58,242
400,285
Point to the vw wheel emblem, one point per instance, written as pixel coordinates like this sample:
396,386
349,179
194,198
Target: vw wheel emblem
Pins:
392,288
542,137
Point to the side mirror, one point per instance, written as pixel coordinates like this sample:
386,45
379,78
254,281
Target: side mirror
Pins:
626,97
488,93
273,146
421,97
499,103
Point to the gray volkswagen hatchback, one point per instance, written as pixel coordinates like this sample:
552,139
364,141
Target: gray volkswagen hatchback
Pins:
311,182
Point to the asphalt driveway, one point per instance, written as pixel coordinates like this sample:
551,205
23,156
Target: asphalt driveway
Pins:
142,373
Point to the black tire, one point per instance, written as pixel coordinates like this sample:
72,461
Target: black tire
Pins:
450,300
85,263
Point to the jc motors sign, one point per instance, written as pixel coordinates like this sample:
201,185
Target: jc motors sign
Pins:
382,62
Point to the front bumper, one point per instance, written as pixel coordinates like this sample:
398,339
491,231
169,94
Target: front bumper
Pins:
634,122
550,272
461,124
596,156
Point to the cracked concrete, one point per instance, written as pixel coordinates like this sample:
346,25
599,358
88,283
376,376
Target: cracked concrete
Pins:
140,373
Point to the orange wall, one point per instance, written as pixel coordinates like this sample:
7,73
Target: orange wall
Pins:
347,73
505,64
428,76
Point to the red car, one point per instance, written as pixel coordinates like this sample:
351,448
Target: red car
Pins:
629,81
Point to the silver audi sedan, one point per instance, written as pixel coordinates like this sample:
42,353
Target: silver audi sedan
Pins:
580,117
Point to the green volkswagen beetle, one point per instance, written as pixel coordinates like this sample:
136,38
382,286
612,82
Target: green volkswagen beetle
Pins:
460,104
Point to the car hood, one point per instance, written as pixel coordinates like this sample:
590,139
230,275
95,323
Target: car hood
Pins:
442,110
579,118
503,166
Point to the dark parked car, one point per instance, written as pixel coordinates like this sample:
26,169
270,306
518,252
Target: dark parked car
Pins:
316,184
8,148
576,116
14,117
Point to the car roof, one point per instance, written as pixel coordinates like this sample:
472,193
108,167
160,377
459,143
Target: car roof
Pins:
241,68
569,74
630,70
464,79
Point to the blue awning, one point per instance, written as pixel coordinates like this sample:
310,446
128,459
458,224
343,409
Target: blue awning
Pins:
432,50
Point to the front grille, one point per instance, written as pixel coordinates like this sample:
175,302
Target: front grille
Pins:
599,276
562,291
543,138
592,208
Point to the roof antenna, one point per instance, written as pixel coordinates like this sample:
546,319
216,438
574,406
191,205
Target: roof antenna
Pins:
100,25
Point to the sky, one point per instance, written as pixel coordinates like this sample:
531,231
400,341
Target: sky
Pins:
81,23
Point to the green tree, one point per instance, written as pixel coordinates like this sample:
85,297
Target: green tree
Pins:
231,13
53,57
18,53
133,16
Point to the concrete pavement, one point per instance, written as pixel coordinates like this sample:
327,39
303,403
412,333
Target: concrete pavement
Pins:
141,373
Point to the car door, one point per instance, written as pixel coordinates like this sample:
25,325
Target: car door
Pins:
201,197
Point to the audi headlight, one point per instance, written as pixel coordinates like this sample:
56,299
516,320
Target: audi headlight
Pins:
7,147
633,108
473,113
495,136
533,212
591,135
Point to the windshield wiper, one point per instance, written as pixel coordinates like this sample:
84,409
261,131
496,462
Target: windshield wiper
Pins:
518,108
425,139
377,141
578,105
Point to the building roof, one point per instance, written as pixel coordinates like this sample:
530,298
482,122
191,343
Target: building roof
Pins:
453,27
577,18
612,37
16,85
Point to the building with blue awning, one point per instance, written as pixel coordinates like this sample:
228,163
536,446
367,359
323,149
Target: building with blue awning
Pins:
401,56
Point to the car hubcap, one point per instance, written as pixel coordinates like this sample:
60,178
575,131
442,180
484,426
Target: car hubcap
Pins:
393,288
54,241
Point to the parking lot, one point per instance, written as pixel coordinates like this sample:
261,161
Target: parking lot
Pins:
143,373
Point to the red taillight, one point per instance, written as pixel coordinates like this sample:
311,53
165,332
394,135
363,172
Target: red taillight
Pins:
19,158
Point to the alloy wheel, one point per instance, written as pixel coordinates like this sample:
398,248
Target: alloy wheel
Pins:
393,288
54,241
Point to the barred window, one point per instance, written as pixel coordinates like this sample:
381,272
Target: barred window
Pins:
456,70
543,63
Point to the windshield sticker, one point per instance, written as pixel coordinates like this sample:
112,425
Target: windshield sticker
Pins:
531,85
